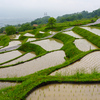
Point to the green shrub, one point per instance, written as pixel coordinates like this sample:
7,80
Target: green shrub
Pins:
4,40
28,47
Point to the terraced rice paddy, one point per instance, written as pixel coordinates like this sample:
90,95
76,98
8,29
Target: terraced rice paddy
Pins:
9,55
31,39
84,45
93,30
46,61
23,58
41,32
51,32
72,34
66,92
28,34
7,84
14,36
86,65
49,61
49,44
12,43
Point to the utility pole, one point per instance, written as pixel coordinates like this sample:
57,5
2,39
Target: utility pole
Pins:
45,13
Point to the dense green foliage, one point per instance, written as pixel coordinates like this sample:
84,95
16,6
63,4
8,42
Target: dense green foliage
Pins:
4,40
25,27
51,22
10,30
78,16
43,20
28,47
2,29
93,38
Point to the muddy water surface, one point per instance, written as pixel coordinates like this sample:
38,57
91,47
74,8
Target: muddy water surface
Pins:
49,44
72,34
84,45
93,30
23,58
9,55
46,61
7,84
66,92
87,64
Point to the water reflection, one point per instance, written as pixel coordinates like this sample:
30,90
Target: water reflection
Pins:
15,36
12,43
93,30
49,44
9,55
28,34
46,61
23,58
87,64
7,84
66,92
72,34
84,45
31,39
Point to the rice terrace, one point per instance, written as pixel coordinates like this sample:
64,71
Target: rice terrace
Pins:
52,63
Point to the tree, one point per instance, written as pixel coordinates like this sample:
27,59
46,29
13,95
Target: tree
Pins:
51,22
10,30
25,27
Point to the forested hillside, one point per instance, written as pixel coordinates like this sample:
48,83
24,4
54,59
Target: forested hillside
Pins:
78,16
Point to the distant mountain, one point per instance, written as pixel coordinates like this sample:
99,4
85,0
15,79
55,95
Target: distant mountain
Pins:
43,20
68,17
78,16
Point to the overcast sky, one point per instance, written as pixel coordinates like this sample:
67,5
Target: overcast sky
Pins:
36,8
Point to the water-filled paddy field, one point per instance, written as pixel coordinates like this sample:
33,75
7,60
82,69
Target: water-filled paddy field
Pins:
93,30
46,61
41,67
49,44
66,92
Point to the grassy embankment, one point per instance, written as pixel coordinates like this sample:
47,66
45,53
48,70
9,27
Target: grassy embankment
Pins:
93,38
4,40
40,78
27,47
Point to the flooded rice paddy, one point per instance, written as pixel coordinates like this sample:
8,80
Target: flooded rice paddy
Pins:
15,36
41,32
46,61
9,55
28,34
51,32
72,34
66,92
49,44
23,58
31,39
7,84
87,64
12,43
84,45
93,30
